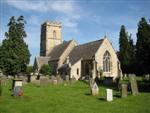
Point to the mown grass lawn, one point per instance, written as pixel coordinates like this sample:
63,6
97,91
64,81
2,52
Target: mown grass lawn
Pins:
74,98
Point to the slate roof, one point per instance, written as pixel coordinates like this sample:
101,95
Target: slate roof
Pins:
58,50
85,51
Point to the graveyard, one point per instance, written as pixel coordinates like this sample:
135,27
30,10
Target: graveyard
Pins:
70,98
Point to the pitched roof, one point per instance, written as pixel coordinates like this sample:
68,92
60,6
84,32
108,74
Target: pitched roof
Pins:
41,61
58,50
85,51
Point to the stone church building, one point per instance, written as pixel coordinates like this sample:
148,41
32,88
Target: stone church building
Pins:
77,61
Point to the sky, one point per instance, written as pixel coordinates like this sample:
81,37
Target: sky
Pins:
82,20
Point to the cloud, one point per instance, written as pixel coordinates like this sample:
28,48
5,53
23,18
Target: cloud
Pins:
68,11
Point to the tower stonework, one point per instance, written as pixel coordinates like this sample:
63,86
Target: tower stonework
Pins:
50,37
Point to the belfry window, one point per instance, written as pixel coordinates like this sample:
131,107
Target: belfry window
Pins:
54,34
107,62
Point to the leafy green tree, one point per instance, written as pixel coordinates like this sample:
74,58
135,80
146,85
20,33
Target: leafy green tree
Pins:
143,47
14,53
29,69
46,70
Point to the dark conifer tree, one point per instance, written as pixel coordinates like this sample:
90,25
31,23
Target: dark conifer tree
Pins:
143,47
14,53
123,49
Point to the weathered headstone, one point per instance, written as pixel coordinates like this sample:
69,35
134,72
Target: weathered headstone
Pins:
59,79
44,81
147,77
17,82
17,87
109,95
55,82
133,82
95,89
33,78
73,80
91,82
67,78
18,91
124,91
36,82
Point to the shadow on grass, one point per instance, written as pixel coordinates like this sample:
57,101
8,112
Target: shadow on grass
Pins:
102,99
143,86
88,94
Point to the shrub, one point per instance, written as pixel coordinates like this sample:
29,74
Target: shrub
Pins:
46,70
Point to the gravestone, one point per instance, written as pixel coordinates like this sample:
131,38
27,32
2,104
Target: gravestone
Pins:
133,83
44,81
147,77
36,82
109,95
17,87
59,79
73,80
55,82
67,78
95,89
91,82
124,91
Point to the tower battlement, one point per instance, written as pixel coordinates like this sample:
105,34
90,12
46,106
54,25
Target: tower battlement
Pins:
52,23
50,36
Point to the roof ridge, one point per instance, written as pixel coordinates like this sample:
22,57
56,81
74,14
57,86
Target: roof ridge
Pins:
89,42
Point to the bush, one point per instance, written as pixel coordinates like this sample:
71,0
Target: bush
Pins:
46,70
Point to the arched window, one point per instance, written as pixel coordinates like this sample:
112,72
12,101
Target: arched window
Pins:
107,62
54,34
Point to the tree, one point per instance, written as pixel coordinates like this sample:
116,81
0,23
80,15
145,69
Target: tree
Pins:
29,69
131,52
46,70
143,47
126,51
14,53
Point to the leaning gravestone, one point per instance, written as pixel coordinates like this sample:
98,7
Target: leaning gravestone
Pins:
95,89
109,95
44,81
91,82
124,91
133,82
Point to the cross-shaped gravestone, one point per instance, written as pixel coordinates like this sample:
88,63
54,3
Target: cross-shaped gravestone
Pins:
133,82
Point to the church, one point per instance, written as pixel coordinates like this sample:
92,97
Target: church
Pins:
77,61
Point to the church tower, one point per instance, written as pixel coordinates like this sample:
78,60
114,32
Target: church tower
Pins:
50,37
